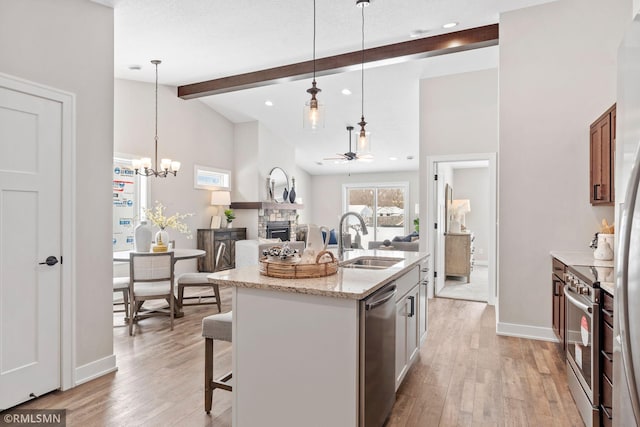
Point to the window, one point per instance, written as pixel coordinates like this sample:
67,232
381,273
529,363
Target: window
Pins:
130,198
383,207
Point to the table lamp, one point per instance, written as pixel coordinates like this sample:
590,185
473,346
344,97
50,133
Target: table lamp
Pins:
219,198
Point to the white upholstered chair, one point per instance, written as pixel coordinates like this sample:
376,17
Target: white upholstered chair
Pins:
121,284
151,278
199,279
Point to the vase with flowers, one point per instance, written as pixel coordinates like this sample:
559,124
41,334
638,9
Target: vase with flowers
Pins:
228,213
157,217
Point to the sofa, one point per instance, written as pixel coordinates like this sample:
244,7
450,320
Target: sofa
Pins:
398,246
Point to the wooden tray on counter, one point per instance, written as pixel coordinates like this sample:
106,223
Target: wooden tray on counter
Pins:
290,270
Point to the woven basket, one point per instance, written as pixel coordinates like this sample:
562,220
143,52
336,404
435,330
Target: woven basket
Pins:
287,270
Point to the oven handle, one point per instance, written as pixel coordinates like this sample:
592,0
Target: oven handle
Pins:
573,300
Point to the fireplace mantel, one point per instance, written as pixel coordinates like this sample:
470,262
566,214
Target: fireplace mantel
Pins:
266,205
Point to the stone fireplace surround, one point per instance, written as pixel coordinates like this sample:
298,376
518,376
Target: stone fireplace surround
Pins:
276,215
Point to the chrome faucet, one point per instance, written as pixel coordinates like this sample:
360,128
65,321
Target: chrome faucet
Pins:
340,242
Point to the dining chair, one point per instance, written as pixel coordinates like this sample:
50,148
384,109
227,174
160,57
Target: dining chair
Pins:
121,284
152,278
200,280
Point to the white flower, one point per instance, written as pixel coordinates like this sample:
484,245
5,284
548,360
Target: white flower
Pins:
156,217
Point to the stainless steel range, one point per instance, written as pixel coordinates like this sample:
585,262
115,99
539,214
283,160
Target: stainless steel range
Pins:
583,333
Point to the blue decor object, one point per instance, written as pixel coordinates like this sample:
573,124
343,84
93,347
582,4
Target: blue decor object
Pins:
332,237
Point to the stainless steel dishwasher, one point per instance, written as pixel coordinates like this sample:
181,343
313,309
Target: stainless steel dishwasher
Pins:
377,356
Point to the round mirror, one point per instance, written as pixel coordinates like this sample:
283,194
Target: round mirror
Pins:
279,184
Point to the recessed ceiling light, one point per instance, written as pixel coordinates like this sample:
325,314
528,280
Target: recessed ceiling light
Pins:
450,25
135,67
268,103
346,91
418,33
393,158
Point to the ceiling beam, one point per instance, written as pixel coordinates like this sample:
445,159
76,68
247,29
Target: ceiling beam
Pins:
472,38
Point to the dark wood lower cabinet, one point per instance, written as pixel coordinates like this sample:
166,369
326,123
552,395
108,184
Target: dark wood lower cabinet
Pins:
606,360
558,313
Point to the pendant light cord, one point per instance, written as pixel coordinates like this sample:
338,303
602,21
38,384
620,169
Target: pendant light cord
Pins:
156,137
314,40
362,65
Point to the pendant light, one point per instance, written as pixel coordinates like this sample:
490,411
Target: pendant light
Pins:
313,116
166,166
364,144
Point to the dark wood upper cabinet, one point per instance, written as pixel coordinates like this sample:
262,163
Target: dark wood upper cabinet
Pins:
602,158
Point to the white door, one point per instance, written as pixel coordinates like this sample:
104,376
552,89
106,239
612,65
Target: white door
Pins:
30,231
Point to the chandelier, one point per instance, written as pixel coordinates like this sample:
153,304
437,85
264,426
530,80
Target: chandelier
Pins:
166,166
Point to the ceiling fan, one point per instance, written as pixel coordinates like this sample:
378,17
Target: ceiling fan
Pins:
350,155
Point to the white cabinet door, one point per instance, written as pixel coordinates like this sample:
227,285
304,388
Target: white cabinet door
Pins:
413,339
401,340
407,339
423,317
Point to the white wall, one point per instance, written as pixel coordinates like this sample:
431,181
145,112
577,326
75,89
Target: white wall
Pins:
458,114
555,79
326,194
188,131
68,45
473,184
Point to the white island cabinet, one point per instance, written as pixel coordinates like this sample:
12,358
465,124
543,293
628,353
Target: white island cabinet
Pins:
296,342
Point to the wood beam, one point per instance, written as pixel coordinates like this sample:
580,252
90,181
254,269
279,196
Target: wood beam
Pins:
472,38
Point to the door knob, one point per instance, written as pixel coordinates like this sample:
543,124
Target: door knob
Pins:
51,260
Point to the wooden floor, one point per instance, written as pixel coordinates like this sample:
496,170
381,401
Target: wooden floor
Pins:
465,376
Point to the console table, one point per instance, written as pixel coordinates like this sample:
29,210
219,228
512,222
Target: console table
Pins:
210,240
458,254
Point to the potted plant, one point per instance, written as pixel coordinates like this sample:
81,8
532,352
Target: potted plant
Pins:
230,217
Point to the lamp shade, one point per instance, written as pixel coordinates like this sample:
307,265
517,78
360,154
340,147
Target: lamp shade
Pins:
220,198
461,206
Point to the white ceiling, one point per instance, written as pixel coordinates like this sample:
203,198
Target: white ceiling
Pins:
206,39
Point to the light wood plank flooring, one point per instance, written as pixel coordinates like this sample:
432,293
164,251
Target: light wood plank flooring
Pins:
465,376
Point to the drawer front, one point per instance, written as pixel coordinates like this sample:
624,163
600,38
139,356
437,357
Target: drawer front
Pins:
607,393
406,282
607,338
607,302
558,268
607,364
607,316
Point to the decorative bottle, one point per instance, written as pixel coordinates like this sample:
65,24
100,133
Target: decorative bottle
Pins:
292,193
142,237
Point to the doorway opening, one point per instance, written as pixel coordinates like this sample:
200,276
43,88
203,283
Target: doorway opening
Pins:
462,194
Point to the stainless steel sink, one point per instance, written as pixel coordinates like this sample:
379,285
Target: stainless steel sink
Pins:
371,262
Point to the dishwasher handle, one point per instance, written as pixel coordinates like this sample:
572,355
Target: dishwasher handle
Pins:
380,298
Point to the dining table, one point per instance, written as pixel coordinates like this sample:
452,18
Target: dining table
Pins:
179,254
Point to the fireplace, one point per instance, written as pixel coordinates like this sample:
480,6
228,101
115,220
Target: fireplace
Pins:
279,230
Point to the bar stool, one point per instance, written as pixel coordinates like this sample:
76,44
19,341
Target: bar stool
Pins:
215,327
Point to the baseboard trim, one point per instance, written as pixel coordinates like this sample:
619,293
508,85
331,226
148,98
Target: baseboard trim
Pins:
526,331
95,369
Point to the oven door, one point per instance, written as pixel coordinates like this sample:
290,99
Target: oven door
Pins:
583,342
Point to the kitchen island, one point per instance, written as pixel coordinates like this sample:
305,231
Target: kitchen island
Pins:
296,342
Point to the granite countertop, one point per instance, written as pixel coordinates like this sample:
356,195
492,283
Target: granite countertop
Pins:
351,283
580,258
